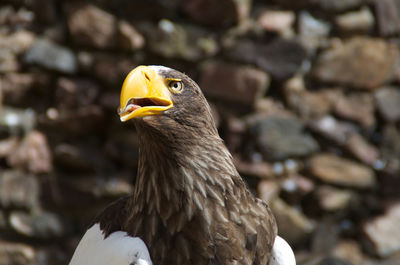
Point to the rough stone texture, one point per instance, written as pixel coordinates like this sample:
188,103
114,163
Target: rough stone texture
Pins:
333,169
371,61
52,56
16,253
388,102
292,224
129,38
280,58
388,16
38,225
32,154
91,26
18,190
332,199
216,13
277,21
279,138
238,84
356,22
382,233
356,106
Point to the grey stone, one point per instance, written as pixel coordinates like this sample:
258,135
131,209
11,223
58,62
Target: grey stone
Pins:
277,21
362,149
217,13
383,237
91,26
13,120
349,250
41,225
358,107
52,56
372,61
360,21
7,146
280,58
279,138
312,31
340,5
180,41
388,102
293,226
129,38
33,154
333,129
16,253
336,170
18,190
238,84
387,16
332,199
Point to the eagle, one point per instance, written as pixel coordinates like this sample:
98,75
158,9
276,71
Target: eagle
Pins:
189,204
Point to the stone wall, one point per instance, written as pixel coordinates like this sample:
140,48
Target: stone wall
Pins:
306,94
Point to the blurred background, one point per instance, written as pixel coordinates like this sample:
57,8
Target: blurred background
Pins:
306,95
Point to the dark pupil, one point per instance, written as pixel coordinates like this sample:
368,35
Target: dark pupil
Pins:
175,85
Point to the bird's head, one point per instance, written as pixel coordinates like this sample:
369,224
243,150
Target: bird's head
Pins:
163,97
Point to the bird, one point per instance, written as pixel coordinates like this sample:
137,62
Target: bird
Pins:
189,204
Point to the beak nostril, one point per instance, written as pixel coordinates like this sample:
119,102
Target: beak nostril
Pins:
146,76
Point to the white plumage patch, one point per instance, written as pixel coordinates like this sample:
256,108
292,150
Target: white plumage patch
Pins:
117,249
282,253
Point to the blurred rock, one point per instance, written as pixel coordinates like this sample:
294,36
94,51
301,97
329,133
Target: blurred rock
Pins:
129,38
173,40
111,70
312,31
383,237
387,16
16,253
390,150
280,58
11,46
388,102
336,170
360,21
267,190
333,261
91,26
13,120
293,226
52,56
296,187
340,5
372,61
277,21
80,121
279,138
3,221
358,107
362,149
325,237
238,84
74,93
41,225
309,104
333,129
18,190
350,251
15,86
332,199
7,146
32,154
217,13
259,169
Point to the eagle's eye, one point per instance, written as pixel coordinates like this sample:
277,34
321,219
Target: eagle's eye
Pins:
176,86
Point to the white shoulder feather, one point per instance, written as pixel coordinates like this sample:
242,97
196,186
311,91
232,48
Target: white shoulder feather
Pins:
117,249
282,253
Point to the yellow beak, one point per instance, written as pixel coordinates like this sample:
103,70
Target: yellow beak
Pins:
143,93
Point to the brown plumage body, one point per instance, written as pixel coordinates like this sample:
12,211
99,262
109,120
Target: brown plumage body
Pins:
190,205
